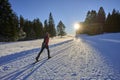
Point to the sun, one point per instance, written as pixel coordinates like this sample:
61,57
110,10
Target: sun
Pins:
76,26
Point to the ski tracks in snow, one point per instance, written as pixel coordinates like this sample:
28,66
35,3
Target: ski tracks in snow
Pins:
73,60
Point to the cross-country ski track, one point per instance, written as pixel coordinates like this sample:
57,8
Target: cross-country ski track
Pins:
71,60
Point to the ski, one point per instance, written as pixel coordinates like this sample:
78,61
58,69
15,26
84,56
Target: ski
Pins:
33,65
37,62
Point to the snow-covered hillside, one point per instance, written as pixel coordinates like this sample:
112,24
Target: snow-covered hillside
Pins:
108,45
14,47
85,58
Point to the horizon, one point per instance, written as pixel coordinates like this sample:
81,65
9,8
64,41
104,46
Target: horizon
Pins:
69,13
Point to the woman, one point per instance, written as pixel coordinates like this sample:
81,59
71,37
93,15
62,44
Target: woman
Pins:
44,45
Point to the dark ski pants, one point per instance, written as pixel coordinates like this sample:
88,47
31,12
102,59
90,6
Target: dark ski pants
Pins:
47,47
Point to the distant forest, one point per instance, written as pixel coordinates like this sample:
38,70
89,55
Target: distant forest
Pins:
14,28
98,23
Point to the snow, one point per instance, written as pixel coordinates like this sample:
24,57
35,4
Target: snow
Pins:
108,45
14,47
84,58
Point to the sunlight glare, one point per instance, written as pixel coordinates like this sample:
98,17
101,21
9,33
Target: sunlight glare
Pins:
76,26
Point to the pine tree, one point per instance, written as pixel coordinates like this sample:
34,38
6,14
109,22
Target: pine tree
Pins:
21,21
46,27
61,29
8,21
87,20
101,16
28,28
115,21
112,23
52,30
107,23
22,34
91,17
38,28
101,19
14,28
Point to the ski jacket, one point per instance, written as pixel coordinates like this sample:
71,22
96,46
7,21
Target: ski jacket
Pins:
46,40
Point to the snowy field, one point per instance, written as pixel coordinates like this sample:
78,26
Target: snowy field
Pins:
14,47
84,58
108,45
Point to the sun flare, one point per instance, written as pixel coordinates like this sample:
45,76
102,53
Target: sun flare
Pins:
76,26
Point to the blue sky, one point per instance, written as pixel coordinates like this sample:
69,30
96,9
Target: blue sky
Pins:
69,11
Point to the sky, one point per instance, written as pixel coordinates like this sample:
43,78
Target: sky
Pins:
68,11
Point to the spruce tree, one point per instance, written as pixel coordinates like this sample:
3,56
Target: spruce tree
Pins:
101,16
107,26
87,19
28,29
101,19
21,22
46,27
113,21
38,28
22,34
91,17
8,21
61,29
52,30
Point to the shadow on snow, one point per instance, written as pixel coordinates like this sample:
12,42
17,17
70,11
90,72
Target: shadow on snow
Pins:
27,69
22,54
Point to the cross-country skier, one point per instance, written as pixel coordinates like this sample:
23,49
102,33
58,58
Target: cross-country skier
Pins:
44,45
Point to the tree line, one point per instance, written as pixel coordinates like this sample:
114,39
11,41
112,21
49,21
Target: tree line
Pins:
97,22
13,27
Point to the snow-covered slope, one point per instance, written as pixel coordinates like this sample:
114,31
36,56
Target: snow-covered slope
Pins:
108,45
77,59
14,47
